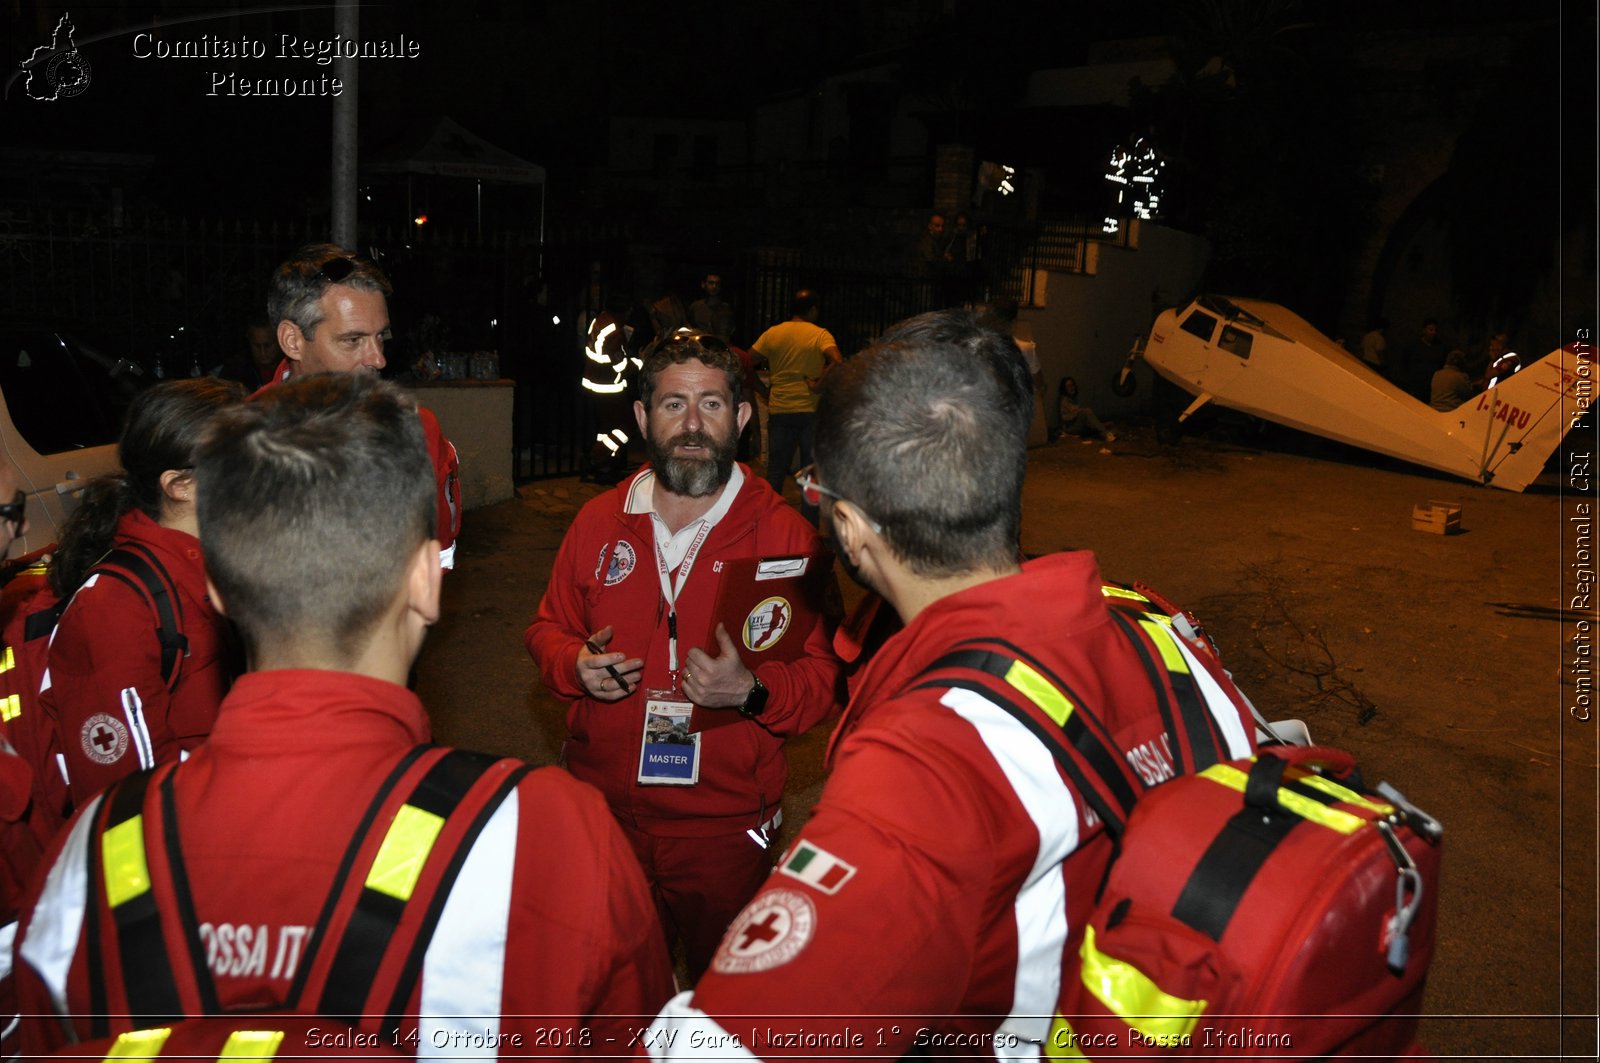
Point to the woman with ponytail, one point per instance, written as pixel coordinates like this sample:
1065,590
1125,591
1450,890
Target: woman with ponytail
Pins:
140,659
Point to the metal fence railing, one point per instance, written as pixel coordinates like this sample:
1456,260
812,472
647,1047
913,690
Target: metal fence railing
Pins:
182,289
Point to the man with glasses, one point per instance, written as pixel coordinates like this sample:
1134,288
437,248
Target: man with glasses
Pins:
684,740
14,513
330,308
942,874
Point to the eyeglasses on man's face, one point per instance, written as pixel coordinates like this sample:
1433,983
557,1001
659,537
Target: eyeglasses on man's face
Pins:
812,492
16,509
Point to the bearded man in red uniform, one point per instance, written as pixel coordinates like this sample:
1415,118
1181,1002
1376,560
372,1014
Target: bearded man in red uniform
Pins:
330,308
317,854
944,877
625,634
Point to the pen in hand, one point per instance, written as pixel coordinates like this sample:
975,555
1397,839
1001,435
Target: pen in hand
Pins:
621,684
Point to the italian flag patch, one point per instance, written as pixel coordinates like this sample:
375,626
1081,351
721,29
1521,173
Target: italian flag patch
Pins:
818,868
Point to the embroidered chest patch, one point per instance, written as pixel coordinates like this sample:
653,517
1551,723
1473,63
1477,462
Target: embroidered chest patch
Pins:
616,562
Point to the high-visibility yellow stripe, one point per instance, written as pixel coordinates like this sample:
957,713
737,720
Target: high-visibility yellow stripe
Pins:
1122,592
122,853
1336,791
1129,994
10,707
1299,804
405,848
8,660
139,1044
1039,690
1171,656
251,1044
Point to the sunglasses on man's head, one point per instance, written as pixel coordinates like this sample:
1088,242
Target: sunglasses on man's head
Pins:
336,270
15,509
686,336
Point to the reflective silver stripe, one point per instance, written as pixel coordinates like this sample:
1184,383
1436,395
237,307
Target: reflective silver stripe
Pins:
133,712
1041,905
1218,704
683,1031
57,922
44,681
8,940
464,969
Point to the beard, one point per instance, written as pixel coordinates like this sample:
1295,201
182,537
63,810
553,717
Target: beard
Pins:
692,477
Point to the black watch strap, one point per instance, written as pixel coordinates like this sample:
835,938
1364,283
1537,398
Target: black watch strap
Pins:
755,702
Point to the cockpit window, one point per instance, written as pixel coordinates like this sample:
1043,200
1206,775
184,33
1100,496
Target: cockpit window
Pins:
1201,324
1235,341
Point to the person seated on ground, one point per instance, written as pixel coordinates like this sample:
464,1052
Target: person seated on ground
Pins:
122,698
1451,384
1075,419
318,854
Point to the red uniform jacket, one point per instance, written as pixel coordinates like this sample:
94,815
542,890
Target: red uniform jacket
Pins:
606,573
114,714
446,473
266,809
948,837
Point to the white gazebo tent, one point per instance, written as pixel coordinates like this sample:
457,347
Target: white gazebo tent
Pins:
449,150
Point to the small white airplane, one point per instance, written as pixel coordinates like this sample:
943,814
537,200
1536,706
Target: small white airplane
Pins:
1258,358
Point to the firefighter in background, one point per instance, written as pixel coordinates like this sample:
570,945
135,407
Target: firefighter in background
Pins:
607,369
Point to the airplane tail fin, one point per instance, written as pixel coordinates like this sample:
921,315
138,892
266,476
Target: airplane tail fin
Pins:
1518,423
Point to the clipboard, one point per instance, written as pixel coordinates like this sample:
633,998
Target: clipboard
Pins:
769,606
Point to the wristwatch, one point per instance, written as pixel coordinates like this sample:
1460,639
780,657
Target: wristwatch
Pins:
755,702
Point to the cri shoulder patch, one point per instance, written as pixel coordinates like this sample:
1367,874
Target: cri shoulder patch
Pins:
766,623
104,738
769,933
617,561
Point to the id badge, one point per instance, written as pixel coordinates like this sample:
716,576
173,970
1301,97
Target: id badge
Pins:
669,755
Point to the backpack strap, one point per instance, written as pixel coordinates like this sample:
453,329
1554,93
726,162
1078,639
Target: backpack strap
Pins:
344,976
1195,742
411,971
1069,728
119,882
150,576
39,625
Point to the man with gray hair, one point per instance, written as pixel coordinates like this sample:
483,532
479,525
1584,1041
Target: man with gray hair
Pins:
948,841
330,308
319,854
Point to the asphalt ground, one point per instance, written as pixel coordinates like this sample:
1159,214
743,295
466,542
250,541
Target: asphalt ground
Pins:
1441,662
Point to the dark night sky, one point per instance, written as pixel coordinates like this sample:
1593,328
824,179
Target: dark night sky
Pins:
537,78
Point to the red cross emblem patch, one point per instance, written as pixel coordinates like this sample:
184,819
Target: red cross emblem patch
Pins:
770,932
104,738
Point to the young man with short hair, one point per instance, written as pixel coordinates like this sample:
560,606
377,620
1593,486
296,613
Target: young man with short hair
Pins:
316,854
942,877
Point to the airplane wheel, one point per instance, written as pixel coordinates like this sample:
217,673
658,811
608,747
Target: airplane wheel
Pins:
1124,384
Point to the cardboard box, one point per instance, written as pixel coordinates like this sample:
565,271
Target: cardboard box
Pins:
1438,518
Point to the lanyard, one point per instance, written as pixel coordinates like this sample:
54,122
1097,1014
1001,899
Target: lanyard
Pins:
671,590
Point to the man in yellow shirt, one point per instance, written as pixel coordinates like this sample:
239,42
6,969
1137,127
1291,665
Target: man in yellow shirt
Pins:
796,353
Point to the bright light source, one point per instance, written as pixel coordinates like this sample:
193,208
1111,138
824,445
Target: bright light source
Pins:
555,319
494,322
421,219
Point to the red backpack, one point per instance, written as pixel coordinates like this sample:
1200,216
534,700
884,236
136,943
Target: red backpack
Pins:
1255,906
363,960
32,612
